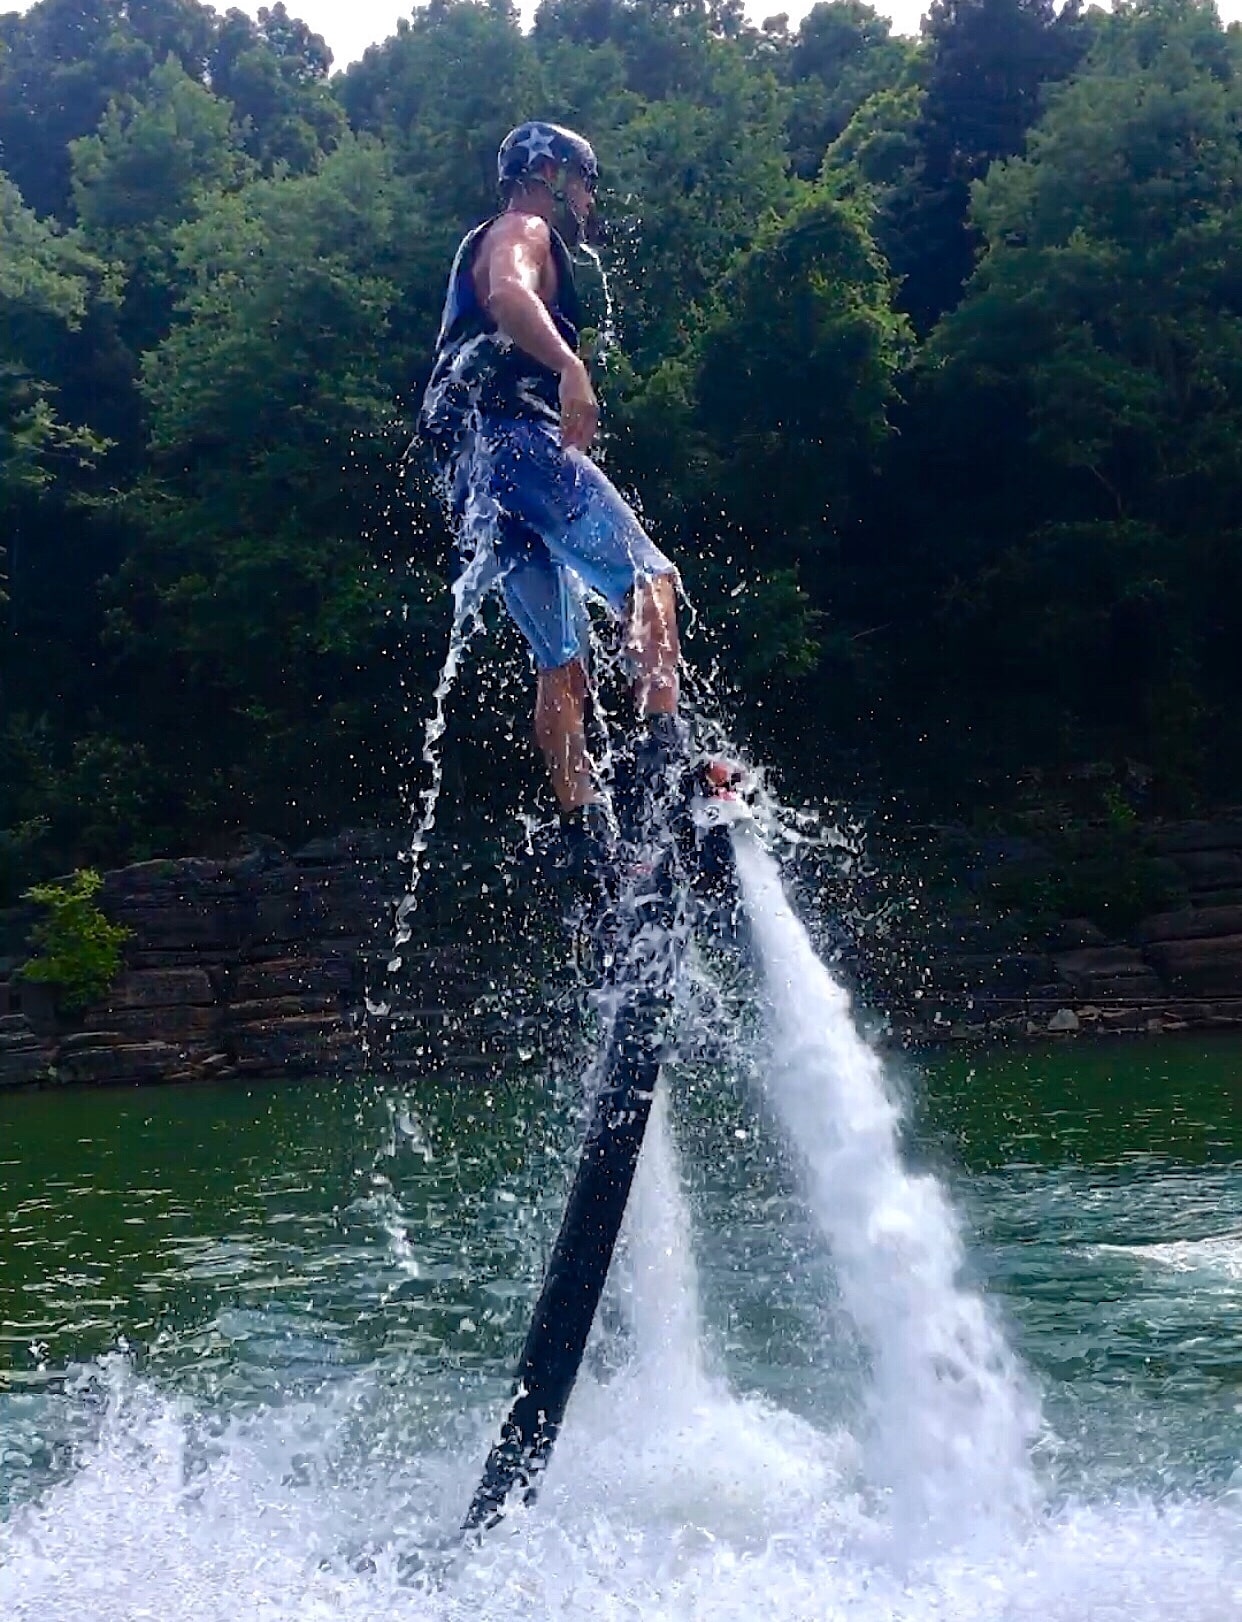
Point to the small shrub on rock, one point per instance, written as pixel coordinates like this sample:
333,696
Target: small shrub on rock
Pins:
76,948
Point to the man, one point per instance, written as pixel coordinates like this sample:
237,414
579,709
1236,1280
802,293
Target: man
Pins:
511,414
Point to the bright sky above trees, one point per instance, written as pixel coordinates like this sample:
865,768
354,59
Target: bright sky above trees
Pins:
349,26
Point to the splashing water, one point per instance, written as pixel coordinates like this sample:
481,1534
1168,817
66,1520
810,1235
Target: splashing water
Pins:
663,1286
479,574
953,1421
607,337
671,1497
477,528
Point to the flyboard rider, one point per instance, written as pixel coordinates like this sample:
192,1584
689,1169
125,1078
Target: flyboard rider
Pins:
511,414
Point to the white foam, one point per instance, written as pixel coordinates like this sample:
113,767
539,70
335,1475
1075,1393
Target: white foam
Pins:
737,1510
669,1496
1219,1255
658,1268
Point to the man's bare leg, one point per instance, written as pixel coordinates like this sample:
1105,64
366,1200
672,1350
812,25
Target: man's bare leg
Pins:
560,731
652,645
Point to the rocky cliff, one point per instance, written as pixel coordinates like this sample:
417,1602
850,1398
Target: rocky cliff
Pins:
1001,955
255,966
261,964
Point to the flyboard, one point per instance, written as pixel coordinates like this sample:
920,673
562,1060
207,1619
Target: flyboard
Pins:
641,985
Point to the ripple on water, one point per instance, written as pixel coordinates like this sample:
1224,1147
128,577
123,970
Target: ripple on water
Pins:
1213,1260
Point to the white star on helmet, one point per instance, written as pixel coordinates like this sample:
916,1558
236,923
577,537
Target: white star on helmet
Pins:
537,144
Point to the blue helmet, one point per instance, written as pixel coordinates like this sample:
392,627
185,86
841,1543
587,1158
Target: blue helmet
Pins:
529,142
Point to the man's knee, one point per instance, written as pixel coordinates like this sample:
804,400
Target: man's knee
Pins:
563,683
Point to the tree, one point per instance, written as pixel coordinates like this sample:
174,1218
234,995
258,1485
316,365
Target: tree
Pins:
989,63
1101,336
665,45
157,156
1008,538
262,589
443,92
157,159
843,54
275,73
796,368
63,61
45,279
762,439
703,177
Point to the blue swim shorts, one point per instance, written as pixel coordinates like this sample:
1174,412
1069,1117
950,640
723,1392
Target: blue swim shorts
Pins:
558,530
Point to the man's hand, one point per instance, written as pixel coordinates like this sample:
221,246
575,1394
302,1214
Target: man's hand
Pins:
579,407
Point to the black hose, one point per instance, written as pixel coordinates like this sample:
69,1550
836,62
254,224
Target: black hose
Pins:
644,982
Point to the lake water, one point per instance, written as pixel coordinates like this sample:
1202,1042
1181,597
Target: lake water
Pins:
255,1341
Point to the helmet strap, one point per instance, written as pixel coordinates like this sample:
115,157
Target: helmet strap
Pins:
579,220
561,198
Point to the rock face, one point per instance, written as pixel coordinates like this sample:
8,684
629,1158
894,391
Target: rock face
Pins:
260,965
1200,968
1107,973
253,966
988,970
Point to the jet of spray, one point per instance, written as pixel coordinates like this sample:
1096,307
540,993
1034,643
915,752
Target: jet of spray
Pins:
952,1418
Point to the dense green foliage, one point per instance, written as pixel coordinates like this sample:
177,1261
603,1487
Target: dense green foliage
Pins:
76,949
928,372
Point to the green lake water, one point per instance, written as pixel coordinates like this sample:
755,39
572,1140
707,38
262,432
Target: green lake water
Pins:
254,1340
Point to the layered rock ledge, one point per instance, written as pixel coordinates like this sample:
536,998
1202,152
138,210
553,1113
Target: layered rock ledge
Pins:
995,970
257,966
260,965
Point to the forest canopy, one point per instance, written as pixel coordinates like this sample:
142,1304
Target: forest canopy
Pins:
927,369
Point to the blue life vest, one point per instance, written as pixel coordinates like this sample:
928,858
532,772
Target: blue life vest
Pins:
476,368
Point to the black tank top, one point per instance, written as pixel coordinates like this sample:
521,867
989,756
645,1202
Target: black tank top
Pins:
477,368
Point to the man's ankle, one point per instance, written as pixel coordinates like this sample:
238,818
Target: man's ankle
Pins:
590,818
668,733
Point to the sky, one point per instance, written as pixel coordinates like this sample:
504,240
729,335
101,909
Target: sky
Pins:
349,26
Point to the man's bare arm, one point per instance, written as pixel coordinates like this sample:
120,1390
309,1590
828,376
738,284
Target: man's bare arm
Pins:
508,273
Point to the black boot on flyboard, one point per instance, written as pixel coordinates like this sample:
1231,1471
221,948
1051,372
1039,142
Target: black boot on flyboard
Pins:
663,791
663,811
670,793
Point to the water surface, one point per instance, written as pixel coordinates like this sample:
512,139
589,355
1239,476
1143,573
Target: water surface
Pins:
255,1340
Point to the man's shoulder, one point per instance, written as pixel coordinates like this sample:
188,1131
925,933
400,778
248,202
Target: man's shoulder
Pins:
515,227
